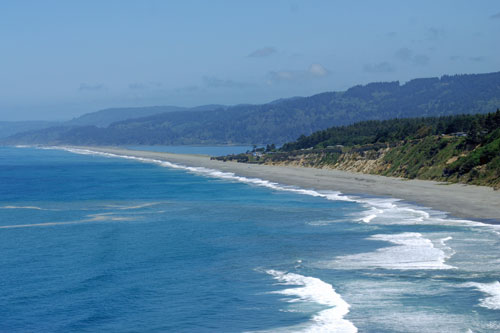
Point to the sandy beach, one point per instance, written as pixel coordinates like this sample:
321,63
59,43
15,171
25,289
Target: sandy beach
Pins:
459,200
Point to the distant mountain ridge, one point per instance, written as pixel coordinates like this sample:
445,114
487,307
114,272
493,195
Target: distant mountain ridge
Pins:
8,128
103,118
286,119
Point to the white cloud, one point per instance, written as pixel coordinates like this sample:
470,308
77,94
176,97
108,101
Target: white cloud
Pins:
313,72
318,70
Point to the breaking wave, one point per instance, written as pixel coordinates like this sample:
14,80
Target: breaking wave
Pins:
314,291
411,251
492,301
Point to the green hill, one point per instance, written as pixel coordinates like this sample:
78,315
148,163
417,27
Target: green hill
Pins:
463,148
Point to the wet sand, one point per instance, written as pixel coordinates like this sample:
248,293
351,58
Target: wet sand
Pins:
459,200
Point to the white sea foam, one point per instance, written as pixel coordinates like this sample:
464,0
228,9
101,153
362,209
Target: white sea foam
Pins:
148,204
378,210
22,207
104,217
313,290
492,301
325,222
412,251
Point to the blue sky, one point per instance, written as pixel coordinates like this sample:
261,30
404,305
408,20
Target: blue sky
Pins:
60,59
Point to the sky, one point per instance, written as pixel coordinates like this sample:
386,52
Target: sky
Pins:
61,59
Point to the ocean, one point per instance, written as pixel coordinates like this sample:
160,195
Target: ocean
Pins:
204,150
94,242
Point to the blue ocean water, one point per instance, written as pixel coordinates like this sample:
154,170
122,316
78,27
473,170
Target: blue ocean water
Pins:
94,242
200,150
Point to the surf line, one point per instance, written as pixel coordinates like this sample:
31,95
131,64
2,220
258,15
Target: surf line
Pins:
375,206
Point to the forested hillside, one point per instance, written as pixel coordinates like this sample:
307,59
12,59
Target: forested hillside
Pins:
463,148
395,130
285,120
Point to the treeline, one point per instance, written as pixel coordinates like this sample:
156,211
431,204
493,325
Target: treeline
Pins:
474,127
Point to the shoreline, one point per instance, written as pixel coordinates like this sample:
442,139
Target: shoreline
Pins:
479,203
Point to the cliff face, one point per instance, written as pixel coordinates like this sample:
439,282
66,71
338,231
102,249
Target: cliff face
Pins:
368,161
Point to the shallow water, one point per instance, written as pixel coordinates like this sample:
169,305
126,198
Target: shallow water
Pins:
93,242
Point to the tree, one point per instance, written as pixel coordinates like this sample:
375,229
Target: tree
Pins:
474,133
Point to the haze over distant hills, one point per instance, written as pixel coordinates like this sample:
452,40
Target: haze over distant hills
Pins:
101,118
279,121
104,118
8,128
